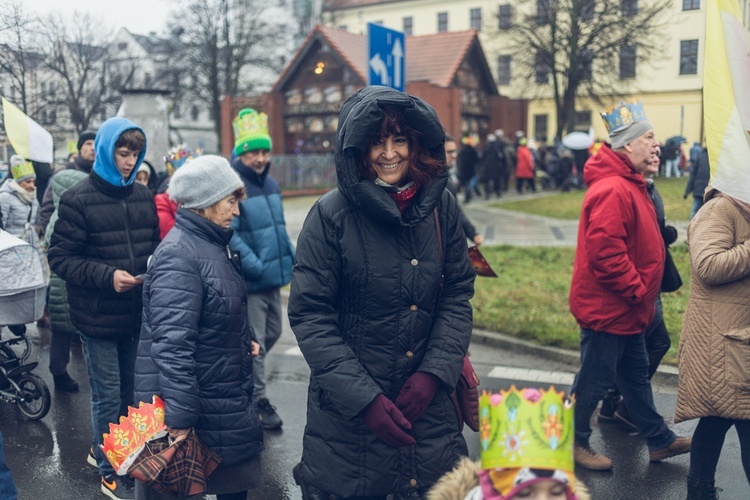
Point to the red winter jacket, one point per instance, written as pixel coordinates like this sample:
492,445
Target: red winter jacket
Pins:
620,255
524,163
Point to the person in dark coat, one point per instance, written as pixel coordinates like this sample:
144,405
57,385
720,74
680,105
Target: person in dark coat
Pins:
383,333
196,348
451,150
700,175
106,230
62,331
467,161
493,166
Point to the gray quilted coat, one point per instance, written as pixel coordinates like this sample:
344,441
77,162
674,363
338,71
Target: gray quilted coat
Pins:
714,356
16,211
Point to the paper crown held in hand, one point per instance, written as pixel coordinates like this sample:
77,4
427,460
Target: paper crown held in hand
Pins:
127,439
623,114
526,428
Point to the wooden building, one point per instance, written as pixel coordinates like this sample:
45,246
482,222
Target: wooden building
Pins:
448,70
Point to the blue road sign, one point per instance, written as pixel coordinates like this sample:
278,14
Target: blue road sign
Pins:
386,57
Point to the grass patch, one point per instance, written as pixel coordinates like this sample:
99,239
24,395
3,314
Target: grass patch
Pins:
529,299
568,205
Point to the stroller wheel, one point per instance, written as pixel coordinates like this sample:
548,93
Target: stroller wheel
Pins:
36,398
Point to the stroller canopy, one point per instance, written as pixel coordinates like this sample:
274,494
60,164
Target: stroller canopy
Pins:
21,268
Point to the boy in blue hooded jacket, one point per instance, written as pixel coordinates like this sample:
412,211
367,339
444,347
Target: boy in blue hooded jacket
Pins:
106,231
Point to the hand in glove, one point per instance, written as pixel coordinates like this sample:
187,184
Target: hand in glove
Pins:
386,421
416,395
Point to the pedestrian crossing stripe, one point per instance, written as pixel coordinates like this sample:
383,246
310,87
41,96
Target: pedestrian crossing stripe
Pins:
529,375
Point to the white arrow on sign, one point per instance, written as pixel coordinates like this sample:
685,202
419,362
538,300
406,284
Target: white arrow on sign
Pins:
379,67
398,53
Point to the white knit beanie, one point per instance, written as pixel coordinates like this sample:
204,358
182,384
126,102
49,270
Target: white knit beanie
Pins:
203,181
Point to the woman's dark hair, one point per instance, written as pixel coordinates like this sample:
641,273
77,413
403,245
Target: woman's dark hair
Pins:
423,166
133,139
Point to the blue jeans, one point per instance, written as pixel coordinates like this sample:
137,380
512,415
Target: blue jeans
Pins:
111,367
697,204
7,487
621,360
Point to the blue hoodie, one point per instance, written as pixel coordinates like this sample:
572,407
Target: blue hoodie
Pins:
104,145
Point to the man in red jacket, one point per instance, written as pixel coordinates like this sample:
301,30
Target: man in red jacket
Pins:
616,277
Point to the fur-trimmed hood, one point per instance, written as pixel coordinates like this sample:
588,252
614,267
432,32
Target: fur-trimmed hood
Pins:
456,484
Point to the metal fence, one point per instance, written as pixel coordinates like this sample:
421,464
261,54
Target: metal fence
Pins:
304,172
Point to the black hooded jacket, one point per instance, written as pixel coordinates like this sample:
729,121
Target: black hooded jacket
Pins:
363,308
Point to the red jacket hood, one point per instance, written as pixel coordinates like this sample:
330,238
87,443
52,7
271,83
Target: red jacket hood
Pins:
609,163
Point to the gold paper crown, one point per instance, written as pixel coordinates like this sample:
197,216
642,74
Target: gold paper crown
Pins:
624,114
127,439
250,131
21,170
526,428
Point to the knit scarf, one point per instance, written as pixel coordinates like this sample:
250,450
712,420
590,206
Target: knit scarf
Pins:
27,197
404,197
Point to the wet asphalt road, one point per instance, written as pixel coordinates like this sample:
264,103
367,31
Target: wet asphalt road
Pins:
48,457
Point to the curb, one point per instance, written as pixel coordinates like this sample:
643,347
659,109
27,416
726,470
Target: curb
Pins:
665,374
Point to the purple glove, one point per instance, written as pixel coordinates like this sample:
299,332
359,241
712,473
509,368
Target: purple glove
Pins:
385,421
416,395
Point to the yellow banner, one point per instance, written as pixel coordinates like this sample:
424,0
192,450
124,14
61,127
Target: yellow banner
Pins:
726,100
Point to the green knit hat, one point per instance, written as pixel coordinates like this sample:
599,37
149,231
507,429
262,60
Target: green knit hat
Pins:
250,131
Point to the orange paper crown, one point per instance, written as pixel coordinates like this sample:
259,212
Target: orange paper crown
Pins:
127,439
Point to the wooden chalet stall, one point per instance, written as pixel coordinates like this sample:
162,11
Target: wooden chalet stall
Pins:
448,70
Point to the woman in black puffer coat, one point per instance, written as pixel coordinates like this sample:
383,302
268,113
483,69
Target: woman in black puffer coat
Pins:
196,347
385,345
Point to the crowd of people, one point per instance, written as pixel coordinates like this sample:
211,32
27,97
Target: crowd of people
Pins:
173,286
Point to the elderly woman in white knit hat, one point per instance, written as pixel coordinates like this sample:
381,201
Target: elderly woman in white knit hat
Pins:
196,344
18,202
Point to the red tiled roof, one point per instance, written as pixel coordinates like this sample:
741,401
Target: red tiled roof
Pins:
433,58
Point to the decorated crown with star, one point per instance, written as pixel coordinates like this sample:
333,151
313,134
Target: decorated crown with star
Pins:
623,114
526,428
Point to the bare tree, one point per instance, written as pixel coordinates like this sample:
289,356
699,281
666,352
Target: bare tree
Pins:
226,42
583,48
19,52
77,58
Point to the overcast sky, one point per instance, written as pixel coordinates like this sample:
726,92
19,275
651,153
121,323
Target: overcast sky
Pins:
138,16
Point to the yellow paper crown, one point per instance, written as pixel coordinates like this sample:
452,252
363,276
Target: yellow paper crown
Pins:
624,114
22,170
526,428
127,439
250,131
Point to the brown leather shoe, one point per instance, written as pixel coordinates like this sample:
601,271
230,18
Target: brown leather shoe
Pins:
587,458
678,447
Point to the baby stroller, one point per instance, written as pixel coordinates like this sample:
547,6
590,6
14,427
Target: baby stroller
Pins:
23,285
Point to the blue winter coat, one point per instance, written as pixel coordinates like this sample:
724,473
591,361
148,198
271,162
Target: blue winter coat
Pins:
194,350
260,237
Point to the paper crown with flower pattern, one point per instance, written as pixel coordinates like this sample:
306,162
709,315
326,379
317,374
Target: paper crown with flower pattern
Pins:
526,428
622,115
127,439
178,155
250,131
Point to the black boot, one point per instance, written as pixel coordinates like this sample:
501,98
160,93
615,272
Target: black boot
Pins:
65,383
701,490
